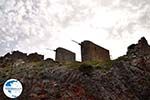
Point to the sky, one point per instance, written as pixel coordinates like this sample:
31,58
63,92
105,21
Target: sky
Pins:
35,25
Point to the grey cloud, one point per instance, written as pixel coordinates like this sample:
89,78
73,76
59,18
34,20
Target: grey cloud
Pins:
140,16
144,19
23,20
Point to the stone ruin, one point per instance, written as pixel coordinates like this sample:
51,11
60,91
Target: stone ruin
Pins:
93,52
12,57
138,54
17,55
35,57
64,55
142,47
89,52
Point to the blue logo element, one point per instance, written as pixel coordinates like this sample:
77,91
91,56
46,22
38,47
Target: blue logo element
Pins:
12,88
10,82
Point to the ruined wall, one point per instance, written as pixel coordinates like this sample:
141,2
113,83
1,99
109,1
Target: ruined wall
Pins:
34,57
142,47
15,55
63,55
91,51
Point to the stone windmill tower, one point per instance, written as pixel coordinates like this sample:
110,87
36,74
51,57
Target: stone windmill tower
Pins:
93,52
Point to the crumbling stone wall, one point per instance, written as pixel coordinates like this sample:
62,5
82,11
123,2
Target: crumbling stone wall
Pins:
63,55
16,55
91,51
142,47
34,57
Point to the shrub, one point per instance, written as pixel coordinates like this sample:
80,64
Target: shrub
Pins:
73,65
86,68
105,66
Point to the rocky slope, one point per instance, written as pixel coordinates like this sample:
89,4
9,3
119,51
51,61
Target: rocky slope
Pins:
126,78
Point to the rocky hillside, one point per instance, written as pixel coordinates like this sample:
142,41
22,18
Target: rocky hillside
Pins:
126,78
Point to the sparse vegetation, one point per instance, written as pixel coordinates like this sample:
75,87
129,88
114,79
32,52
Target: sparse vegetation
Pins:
86,68
105,66
74,65
90,65
124,58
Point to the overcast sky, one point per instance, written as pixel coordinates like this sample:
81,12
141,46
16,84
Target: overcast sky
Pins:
34,25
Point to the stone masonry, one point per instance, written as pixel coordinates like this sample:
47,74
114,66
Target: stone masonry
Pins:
63,55
35,57
93,52
16,55
142,47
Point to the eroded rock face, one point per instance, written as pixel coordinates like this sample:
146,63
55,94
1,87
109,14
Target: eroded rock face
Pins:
141,48
128,79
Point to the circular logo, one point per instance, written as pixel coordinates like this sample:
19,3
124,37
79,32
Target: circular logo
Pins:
12,88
